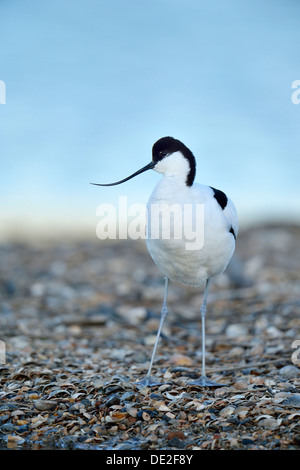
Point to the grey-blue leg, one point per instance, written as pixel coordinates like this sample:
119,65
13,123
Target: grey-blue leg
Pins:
203,381
148,380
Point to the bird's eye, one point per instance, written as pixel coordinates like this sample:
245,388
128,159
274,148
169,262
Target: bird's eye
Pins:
162,153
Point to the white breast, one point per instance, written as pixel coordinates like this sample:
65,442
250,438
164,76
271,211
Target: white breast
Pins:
178,257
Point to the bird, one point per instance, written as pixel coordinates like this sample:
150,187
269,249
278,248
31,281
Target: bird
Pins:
181,208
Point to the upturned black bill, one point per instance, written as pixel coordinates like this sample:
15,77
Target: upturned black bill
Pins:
145,168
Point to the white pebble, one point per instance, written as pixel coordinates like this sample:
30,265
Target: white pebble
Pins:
289,372
236,330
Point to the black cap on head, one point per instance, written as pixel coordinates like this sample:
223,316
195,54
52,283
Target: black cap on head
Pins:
168,145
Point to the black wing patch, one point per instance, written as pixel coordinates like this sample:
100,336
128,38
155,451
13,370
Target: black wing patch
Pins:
232,231
220,197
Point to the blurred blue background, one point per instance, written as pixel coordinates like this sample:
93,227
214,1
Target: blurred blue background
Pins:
90,86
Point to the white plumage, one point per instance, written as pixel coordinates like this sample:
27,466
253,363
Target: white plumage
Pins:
193,267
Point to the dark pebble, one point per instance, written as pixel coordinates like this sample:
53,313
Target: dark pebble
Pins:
21,429
131,444
176,442
246,371
85,437
150,413
4,418
227,428
234,421
246,441
156,396
127,396
112,400
73,408
112,388
8,287
293,401
214,411
9,407
246,421
86,402
7,428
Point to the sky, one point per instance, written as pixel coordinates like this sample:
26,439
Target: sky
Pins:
90,86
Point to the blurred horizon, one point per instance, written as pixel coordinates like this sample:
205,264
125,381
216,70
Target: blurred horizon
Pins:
90,86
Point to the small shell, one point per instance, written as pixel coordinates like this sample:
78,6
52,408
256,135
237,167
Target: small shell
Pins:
227,411
44,405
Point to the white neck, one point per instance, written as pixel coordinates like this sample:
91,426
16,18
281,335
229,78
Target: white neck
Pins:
174,165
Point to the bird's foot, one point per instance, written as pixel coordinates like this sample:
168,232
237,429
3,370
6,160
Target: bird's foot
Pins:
150,382
203,381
